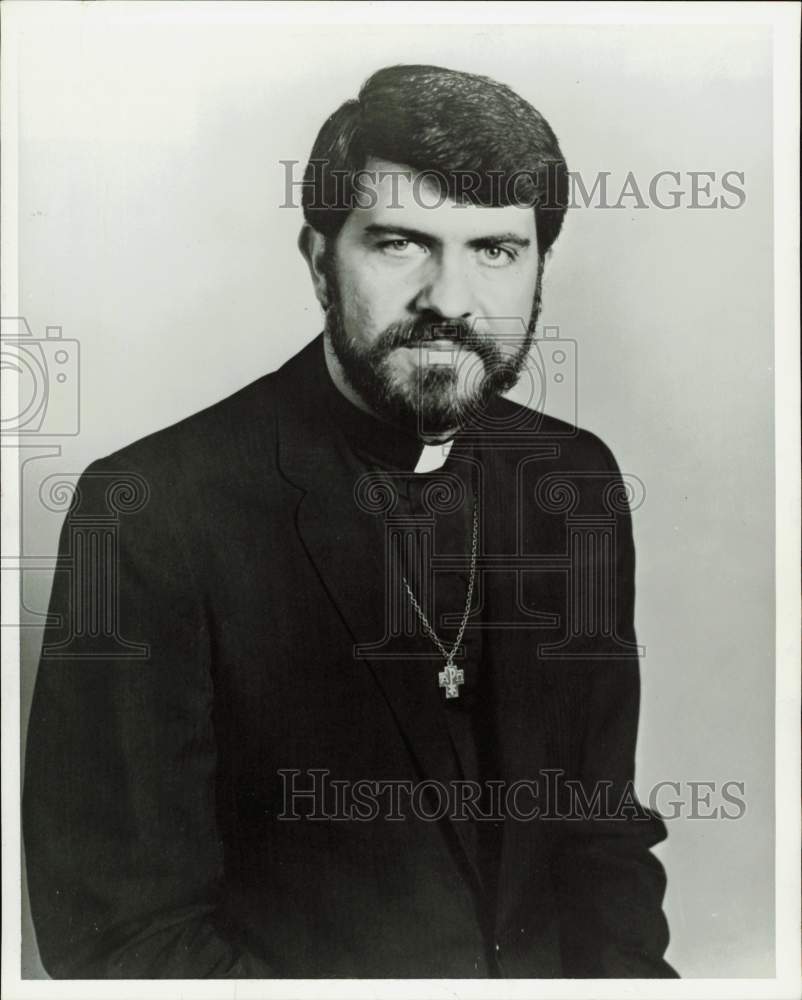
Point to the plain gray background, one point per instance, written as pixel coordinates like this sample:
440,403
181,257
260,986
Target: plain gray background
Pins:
150,231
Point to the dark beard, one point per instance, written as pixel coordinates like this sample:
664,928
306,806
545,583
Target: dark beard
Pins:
432,405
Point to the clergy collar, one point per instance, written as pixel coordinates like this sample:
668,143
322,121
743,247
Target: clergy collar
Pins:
380,443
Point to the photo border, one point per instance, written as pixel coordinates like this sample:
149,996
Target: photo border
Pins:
18,18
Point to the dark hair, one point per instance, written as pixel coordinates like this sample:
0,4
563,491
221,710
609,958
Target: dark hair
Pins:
475,137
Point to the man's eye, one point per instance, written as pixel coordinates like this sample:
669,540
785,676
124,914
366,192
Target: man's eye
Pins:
400,247
496,256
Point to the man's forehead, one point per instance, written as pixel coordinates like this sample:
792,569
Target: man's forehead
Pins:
393,194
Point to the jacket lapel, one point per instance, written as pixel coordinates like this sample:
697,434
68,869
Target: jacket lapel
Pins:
345,542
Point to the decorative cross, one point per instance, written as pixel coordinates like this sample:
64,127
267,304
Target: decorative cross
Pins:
450,679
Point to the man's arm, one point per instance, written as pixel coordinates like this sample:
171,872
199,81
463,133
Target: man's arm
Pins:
610,884
125,864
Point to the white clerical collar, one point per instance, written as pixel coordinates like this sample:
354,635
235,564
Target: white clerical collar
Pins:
433,457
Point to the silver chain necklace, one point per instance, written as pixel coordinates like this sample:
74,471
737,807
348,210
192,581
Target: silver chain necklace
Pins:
452,676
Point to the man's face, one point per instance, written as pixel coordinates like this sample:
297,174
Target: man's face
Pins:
432,304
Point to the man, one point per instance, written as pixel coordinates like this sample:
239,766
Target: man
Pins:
288,629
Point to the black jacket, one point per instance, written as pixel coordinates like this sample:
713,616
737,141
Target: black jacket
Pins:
213,580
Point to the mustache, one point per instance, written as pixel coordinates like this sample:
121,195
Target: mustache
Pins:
422,330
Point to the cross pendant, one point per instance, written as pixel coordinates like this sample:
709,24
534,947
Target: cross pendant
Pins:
450,679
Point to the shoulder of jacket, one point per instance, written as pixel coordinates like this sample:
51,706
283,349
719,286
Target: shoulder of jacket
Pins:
221,430
578,447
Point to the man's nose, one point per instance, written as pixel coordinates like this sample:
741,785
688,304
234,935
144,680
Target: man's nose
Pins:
446,290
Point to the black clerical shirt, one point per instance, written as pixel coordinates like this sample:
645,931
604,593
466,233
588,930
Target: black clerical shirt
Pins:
429,543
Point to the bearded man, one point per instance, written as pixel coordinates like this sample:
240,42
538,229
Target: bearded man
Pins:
340,693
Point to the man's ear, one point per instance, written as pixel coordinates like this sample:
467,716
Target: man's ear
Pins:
312,245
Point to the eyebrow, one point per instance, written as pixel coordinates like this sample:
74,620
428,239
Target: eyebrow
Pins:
418,236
